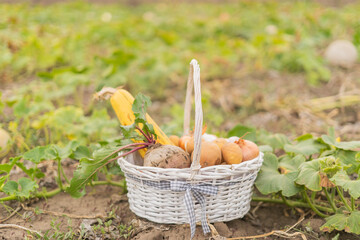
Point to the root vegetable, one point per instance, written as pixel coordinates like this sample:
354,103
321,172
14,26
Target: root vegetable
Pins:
189,145
175,139
210,154
166,156
220,142
249,149
232,153
183,141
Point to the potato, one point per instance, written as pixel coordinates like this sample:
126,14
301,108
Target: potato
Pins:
166,156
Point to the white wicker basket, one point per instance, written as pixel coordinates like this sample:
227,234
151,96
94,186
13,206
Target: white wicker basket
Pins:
150,191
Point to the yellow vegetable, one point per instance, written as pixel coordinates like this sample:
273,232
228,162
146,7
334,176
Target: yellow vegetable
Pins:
121,101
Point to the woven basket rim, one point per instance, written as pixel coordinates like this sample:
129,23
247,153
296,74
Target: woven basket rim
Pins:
216,172
210,168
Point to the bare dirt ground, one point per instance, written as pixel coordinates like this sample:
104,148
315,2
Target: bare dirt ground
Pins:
103,213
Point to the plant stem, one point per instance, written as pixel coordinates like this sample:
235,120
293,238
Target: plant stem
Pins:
59,174
285,201
109,182
148,138
292,203
352,203
63,173
127,146
313,195
58,190
312,206
342,198
330,199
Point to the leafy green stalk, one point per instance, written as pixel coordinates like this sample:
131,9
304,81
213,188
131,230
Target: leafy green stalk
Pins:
330,199
88,168
342,198
59,174
292,203
285,200
312,206
54,192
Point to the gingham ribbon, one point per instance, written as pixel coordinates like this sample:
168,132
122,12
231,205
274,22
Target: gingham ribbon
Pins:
197,191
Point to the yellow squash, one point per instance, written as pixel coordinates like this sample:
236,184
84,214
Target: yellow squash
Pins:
121,101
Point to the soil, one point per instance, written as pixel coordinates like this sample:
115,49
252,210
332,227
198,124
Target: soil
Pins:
49,217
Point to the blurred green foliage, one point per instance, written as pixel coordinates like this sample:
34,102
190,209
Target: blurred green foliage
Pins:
54,57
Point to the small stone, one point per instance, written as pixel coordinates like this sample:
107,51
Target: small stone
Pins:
341,53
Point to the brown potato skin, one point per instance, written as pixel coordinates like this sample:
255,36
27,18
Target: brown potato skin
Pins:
166,156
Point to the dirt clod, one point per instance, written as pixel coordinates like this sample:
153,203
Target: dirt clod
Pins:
223,229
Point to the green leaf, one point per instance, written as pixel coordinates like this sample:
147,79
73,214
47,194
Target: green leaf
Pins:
330,165
334,222
309,175
341,145
353,223
21,109
66,151
239,130
128,131
37,154
11,187
87,170
291,164
343,180
304,137
270,180
31,172
349,158
26,187
341,221
81,152
140,105
306,147
265,148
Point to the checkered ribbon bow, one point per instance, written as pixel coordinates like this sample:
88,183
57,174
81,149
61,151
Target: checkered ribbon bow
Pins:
197,191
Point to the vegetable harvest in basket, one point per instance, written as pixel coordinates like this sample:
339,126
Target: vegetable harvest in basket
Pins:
141,134
173,152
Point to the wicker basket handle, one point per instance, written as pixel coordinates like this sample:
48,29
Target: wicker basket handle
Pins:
194,83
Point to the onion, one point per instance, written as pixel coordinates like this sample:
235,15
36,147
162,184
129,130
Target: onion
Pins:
210,154
231,153
183,141
220,142
174,139
249,149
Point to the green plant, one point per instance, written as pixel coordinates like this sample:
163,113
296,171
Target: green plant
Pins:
318,173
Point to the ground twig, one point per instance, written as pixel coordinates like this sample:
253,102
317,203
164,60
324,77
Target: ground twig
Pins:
280,233
20,227
12,214
60,214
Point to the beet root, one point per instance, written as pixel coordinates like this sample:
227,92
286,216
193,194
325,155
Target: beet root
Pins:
166,156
